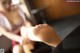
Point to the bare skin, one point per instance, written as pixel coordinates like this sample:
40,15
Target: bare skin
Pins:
47,34
43,31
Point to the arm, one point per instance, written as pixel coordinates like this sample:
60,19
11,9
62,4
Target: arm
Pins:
27,23
17,38
10,35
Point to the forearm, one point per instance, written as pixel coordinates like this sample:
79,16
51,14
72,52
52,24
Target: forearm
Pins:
12,36
27,48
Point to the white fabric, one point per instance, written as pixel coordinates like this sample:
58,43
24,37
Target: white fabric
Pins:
32,36
28,31
4,22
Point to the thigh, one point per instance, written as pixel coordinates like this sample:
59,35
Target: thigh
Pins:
17,49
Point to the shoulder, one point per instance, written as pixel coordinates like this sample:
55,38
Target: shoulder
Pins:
2,17
4,22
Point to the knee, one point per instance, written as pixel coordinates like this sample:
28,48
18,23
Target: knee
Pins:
18,49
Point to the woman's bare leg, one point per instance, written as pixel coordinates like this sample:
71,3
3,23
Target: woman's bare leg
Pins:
47,34
18,49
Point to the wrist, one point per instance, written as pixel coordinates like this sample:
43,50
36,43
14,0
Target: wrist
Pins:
23,41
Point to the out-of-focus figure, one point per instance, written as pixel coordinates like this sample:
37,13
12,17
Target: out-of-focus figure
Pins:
12,18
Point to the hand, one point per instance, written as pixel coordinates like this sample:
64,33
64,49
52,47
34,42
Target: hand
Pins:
24,41
27,42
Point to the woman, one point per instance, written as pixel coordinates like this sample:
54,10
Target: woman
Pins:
12,18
